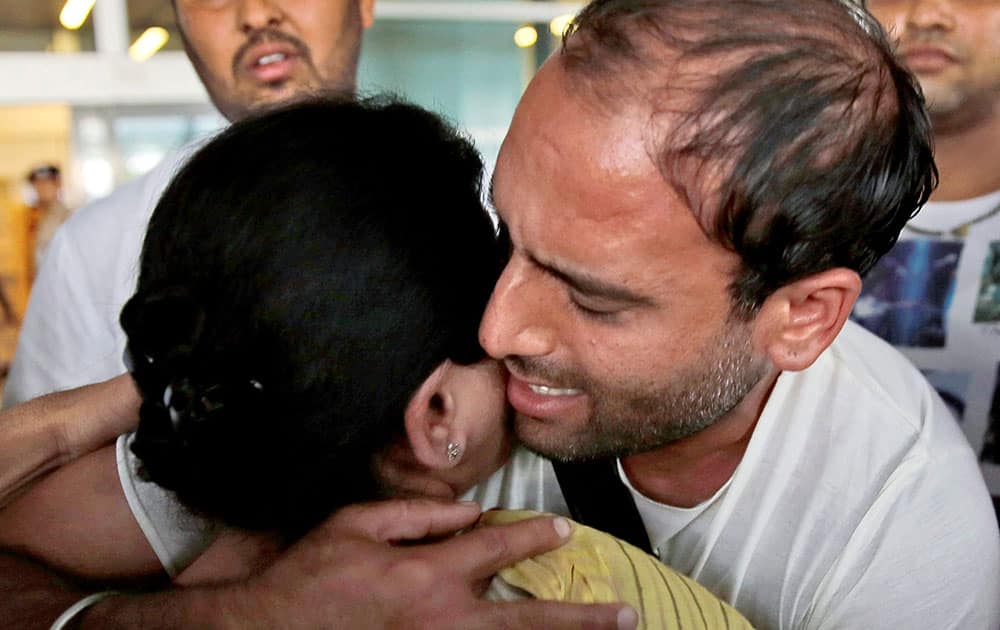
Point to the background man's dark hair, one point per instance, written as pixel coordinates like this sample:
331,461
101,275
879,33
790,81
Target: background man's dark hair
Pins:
301,276
44,171
788,126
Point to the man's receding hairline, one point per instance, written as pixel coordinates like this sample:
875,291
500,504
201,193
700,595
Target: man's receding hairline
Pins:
608,93
647,54
645,45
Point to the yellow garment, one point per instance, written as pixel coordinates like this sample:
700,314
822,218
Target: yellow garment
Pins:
594,567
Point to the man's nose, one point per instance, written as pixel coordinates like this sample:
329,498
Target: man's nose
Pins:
517,321
257,14
930,15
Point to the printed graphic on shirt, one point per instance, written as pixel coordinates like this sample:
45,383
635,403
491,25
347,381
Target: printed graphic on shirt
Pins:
988,300
905,298
991,441
952,387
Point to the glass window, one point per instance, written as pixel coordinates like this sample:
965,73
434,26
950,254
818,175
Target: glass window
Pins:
114,145
143,14
471,72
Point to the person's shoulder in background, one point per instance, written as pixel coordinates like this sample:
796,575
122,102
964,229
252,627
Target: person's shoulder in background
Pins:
70,334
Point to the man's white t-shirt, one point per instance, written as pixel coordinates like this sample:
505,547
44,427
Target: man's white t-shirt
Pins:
70,335
858,504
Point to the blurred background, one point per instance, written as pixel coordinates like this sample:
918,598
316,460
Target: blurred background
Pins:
100,91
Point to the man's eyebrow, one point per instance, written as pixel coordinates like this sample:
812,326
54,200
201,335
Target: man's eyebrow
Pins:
594,287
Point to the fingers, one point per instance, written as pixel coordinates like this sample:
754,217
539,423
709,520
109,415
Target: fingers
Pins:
557,616
406,519
483,551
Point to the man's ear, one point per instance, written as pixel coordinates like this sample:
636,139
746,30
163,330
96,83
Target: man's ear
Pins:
430,420
800,320
367,10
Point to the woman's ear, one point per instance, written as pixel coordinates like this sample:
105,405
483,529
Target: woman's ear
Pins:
430,420
800,320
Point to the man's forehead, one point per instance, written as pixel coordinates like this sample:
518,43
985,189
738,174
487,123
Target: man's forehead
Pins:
558,130
561,174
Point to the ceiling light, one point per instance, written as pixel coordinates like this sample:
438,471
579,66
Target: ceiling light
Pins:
525,37
74,13
147,44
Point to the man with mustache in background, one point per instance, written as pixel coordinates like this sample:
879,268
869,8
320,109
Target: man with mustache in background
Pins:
248,54
936,296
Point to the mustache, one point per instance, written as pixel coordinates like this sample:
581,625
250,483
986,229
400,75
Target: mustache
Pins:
263,35
926,38
533,367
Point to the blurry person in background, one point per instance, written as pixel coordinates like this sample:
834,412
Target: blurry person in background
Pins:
47,212
933,296
249,54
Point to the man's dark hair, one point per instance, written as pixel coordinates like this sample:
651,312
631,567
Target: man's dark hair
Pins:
301,276
43,171
793,133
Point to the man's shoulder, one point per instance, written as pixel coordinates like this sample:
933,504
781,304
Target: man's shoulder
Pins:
131,203
857,467
885,390
874,429
871,427
70,334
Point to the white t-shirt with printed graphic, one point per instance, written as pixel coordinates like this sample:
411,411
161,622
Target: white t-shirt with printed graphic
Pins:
936,297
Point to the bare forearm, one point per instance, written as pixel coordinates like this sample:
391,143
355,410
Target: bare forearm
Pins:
43,434
350,572
29,451
174,608
33,596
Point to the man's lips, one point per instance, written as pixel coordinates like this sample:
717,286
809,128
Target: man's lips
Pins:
540,400
924,58
270,62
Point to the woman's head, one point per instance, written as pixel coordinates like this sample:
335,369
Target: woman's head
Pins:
301,278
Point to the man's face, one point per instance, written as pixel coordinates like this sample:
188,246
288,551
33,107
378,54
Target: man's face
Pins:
254,52
613,312
47,190
953,47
